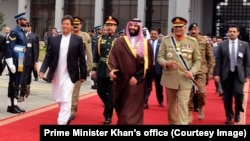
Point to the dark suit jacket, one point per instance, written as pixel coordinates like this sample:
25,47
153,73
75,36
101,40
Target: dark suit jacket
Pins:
76,62
222,66
158,68
2,43
32,50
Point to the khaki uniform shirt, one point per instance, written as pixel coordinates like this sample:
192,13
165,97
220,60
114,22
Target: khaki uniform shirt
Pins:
87,41
174,77
207,55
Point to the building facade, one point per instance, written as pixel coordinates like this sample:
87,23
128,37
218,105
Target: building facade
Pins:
212,16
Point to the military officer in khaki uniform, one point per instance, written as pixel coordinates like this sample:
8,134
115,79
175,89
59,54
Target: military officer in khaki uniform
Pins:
77,23
175,77
205,72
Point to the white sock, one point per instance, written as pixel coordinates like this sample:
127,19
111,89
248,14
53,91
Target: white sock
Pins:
8,102
15,101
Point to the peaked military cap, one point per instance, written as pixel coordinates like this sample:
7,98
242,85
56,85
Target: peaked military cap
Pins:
20,16
193,25
99,27
111,20
77,20
179,21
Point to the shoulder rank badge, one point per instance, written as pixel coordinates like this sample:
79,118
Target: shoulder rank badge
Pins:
12,39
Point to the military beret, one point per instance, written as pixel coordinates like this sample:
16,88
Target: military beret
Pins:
192,26
179,21
20,16
99,27
111,20
77,20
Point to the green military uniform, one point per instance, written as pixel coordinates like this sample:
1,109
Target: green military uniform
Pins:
100,55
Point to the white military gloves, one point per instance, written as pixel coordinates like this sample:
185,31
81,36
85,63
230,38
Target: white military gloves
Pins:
12,67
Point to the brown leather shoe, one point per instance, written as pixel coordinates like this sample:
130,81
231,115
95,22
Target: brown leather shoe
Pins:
201,113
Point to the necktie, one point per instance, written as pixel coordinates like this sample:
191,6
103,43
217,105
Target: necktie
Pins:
153,51
232,59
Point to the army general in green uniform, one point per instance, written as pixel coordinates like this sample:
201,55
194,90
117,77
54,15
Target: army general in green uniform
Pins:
175,77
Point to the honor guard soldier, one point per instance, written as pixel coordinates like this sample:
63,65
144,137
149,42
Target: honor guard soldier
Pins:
100,70
14,58
179,55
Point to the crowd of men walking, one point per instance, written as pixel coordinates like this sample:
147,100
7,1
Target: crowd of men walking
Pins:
125,65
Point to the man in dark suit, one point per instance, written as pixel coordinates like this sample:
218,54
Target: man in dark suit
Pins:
157,69
30,62
232,70
53,33
66,61
2,52
3,44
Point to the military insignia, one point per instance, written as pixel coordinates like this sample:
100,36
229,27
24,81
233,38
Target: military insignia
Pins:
170,55
184,55
189,56
12,39
177,20
178,46
103,41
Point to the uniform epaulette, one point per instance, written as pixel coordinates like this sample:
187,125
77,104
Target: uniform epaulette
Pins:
191,38
84,33
168,36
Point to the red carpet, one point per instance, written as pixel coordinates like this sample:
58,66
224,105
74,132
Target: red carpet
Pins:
26,126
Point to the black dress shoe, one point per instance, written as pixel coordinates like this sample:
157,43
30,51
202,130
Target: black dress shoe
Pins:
36,79
237,118
161,105
21,110
11,109
228,122
70,119
46,79
107,121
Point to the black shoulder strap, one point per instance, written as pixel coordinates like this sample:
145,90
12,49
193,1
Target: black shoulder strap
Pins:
184,63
